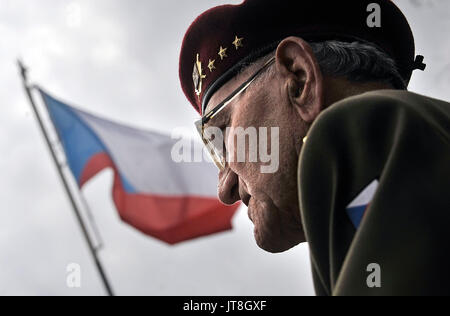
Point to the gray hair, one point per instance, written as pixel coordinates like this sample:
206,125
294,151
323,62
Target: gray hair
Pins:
357,62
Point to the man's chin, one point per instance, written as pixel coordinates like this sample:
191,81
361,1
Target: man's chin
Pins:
271,244
275,231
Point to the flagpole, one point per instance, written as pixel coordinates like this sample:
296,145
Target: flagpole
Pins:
92,249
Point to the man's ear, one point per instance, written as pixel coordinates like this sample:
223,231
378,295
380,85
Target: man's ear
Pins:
304,81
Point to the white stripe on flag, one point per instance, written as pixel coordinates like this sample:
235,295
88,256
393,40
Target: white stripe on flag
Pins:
144,159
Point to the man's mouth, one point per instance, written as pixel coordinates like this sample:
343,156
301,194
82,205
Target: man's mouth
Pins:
246,199
250,214
244,195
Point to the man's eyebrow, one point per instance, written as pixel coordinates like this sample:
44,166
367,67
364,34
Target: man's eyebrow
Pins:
217,120
212,105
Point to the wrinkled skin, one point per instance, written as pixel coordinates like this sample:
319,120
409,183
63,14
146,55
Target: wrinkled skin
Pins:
291,98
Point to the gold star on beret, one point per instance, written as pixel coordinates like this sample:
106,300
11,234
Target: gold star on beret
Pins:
238,42
211,65
223,52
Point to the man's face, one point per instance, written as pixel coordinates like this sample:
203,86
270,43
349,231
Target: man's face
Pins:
272,198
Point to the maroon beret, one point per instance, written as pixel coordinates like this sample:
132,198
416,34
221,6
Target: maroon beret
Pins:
224,38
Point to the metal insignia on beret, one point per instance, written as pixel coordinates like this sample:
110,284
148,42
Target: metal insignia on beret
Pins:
198,76
223,53
238,42
211,65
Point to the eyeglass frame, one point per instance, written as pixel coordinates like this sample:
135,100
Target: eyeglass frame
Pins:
222,105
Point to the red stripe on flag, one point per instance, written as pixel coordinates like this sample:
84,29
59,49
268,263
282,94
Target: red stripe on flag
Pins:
172,219
97,163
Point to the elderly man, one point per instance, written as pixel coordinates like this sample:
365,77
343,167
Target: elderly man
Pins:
364,165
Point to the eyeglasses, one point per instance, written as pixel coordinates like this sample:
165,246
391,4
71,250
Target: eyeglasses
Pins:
214,144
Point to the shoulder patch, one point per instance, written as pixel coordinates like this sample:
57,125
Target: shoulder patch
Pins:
358,207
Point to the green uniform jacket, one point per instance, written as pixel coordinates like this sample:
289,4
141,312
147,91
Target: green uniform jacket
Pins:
402,140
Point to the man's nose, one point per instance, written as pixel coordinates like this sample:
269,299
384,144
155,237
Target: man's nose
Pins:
228,187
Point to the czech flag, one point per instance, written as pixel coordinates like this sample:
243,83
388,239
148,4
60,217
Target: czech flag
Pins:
173,202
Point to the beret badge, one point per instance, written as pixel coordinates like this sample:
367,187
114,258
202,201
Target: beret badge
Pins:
198,76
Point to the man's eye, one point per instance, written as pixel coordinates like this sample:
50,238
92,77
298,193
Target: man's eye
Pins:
225,125
212,138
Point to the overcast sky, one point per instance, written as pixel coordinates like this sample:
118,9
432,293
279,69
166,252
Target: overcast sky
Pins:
120,59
